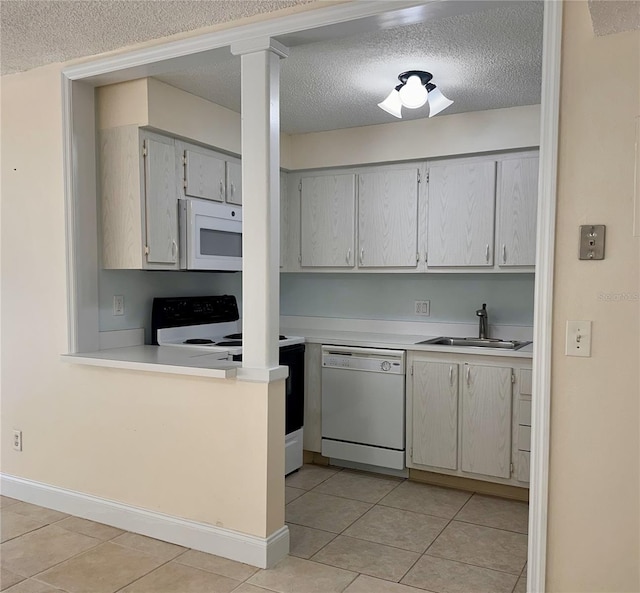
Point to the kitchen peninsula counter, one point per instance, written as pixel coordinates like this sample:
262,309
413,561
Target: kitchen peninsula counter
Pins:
158,359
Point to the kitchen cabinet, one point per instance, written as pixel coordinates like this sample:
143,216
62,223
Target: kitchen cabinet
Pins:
524,425
361,219
209,175
388,218
327,235
464,418
473,214
517,211
460,218
486,420
435,414
139,188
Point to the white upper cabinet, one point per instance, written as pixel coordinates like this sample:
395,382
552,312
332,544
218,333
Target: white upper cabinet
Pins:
327,236
139,188
460,219
234,182
204,174
486,420
517,212
388,218
210,175
161,200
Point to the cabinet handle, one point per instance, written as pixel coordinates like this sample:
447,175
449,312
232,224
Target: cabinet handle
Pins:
349,255
451,375
222,190
361,256
233,189
504,254
468,375
174,249
486,252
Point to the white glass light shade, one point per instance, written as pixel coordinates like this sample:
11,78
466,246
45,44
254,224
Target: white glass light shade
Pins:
437,102
413,94
392,104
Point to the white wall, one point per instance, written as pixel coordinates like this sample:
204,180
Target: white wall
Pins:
444,135
594,495
111,433
454,297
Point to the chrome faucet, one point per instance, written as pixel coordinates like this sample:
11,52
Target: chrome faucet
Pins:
484,321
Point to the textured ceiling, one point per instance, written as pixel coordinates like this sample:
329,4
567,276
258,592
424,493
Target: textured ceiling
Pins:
483,55
37,32
614,16
484,60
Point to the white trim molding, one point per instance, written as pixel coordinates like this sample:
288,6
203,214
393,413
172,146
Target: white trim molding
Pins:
250,549
543,297
140,63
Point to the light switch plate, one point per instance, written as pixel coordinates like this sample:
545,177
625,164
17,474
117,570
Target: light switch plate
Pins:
578,338
592,241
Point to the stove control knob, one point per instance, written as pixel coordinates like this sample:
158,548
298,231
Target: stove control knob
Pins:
386,365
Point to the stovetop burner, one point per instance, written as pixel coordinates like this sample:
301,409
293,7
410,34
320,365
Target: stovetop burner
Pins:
230,343
239,337
199,341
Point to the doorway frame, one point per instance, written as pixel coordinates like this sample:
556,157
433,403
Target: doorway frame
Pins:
78,124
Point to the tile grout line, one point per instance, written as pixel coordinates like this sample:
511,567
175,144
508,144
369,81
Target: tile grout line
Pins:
146,573
513,574
433,541
425,553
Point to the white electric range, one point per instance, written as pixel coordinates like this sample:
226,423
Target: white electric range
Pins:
211,324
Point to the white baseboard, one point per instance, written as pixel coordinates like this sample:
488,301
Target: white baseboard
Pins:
250,549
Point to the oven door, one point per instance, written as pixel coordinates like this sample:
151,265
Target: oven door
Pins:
210,236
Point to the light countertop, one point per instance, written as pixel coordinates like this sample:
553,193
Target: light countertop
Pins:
158,359
402,342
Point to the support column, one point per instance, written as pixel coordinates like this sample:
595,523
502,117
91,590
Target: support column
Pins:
260,200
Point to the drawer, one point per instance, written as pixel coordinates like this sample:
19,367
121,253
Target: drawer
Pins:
524,438
525,381
523,465
524,412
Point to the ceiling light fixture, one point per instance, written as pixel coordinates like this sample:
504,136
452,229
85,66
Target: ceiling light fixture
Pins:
414,90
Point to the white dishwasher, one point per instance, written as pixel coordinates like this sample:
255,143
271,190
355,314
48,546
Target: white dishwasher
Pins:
363,406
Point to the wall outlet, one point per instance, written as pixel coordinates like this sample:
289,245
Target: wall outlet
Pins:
17,440
118,304
422,308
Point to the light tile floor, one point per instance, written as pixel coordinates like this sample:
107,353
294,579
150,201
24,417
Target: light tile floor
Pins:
351,532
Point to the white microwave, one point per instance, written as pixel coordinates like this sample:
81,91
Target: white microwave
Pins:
210,235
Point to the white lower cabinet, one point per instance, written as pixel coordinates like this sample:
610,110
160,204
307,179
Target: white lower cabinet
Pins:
435,414
486,420
461,416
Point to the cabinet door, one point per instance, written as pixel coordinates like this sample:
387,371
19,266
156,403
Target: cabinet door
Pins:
388,218
461,212
234,182
435,414
518,204
328,221
161,201
204,174
486,420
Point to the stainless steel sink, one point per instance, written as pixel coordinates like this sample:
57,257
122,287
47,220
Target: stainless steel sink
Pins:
476,342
